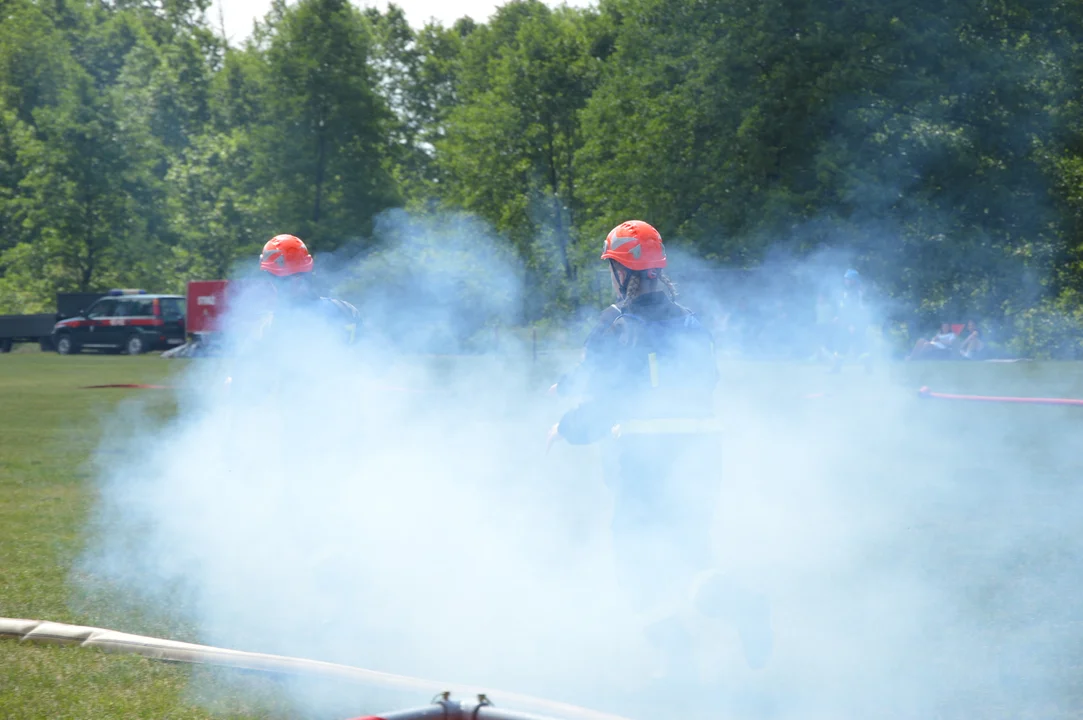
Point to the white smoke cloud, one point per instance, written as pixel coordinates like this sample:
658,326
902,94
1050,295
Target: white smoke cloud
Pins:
396,511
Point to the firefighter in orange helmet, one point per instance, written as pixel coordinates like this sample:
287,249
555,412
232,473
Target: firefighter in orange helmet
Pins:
289,265
642,339
648,376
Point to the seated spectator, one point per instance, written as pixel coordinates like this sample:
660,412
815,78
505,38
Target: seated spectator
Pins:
938,348
972,347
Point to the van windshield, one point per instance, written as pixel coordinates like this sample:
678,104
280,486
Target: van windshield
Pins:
172,308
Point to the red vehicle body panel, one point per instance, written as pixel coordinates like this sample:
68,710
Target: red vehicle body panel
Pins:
74,323
206,305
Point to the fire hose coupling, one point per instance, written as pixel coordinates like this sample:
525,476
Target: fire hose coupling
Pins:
444,700
455,710
461,708
444,708
482,702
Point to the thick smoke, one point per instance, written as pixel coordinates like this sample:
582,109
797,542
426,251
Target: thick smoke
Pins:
396,510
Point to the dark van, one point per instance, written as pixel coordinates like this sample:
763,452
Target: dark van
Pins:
128,321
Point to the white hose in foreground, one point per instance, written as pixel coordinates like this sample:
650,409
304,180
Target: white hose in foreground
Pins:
39,631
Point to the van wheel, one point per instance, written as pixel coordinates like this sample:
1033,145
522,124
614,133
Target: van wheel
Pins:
5,345
135,345
65,345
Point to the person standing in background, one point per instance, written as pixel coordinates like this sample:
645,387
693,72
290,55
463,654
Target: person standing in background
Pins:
851,324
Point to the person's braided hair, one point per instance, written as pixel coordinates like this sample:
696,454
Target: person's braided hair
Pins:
631,289
671,289
635,283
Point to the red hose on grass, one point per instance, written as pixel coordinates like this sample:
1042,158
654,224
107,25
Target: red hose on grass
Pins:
134,386
926,393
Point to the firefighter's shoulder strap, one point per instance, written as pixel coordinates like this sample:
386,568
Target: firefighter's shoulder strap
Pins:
605,322
349,313
610,314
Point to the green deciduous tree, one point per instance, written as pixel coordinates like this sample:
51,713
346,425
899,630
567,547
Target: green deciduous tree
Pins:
211,210
936,146
320,147
903,133
510,142
81,197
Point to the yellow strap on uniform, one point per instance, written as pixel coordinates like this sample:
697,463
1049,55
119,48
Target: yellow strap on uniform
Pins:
352,327
652,360
668,426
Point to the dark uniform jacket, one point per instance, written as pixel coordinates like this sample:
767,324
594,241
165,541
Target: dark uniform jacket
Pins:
341,318
651,360
267,335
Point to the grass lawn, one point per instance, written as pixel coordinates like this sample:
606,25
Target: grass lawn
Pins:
986,466
48,430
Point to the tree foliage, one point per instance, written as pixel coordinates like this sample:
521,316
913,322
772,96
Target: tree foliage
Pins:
938,147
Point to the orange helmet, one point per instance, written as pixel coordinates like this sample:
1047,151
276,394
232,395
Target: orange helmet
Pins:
636,245
285,255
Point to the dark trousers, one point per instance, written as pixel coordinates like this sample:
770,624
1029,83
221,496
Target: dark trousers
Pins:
665,493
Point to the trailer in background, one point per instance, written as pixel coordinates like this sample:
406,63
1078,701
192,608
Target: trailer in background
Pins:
207,304
26,328
38,327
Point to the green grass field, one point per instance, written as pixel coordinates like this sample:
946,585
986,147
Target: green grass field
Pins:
48,430
50,427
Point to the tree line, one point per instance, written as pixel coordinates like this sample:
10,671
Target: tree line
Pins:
937,146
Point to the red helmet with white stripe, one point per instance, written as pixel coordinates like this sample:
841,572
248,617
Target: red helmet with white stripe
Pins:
285,255
636,245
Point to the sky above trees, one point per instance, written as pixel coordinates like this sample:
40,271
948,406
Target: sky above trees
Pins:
238,15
